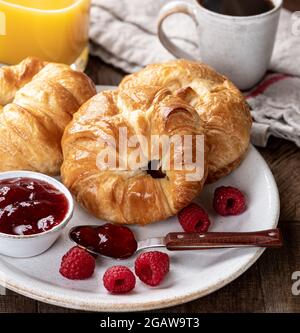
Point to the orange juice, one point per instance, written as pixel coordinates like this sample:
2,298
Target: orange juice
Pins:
53,30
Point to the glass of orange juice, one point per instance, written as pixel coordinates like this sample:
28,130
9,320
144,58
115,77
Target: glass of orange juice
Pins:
53,30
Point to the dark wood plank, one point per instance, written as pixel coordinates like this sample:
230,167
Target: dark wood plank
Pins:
276,270
102,73
283,157
14,303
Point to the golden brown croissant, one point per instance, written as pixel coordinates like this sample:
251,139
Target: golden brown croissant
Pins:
38,101
12,78
219,103
135,194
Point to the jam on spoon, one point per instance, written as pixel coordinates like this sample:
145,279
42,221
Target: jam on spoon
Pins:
30,206
119,242
109,240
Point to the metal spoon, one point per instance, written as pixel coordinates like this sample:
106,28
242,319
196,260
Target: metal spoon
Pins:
180,241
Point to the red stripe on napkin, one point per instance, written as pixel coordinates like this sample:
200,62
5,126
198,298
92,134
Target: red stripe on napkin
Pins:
267,83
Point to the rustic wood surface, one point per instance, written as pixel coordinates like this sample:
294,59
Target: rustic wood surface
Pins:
266,286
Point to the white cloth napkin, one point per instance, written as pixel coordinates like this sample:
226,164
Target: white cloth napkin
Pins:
275,104
123,33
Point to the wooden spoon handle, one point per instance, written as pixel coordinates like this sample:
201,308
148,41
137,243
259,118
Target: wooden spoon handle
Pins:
177,241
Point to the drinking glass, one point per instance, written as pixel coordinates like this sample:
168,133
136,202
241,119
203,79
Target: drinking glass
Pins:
52,30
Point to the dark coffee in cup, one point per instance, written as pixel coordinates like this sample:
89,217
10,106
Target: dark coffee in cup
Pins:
238,7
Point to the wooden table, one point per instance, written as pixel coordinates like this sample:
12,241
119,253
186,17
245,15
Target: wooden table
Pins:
266,286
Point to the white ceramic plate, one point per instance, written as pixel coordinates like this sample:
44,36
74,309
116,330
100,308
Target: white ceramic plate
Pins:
193,274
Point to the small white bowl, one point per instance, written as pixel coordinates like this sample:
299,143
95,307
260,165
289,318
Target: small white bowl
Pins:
22,246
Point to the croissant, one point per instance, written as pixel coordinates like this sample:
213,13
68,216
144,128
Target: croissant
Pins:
137,193
12,78
220,104
37,101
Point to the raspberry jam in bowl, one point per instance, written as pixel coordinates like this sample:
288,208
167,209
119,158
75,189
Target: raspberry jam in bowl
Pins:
34,209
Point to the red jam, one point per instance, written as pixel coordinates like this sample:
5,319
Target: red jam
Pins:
109,240
30,206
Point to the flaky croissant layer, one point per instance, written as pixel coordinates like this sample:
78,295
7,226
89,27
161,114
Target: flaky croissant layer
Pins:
37,101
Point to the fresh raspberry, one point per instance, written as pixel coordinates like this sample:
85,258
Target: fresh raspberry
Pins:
151,267
77,264
229,200
119,280
193,218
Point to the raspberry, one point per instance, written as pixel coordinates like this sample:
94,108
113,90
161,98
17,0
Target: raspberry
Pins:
119,280
77,264
151,267
229,200
193,218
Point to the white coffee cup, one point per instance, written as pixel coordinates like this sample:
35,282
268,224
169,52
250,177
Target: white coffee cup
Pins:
239,47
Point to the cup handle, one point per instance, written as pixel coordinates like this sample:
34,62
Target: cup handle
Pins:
167,10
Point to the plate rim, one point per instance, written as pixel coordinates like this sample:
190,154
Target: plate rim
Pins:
131,307
69,302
